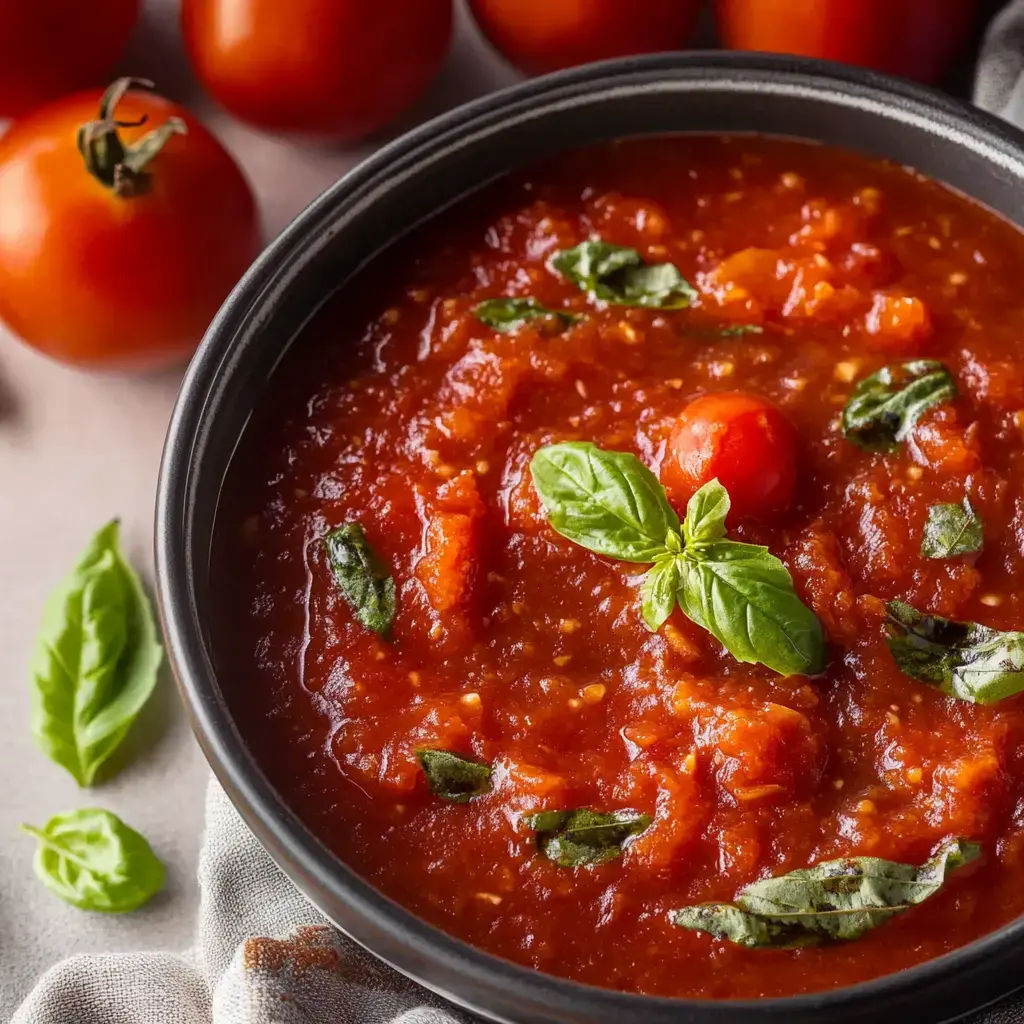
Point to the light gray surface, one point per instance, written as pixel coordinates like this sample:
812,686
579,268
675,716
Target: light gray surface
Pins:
76,450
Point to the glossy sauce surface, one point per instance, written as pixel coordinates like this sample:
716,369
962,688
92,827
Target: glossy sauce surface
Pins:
400,410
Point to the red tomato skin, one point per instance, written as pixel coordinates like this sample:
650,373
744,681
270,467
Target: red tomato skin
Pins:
96,280
538,36
745,442
339,69
52,47
914,38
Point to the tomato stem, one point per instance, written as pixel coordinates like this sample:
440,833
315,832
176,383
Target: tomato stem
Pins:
124,169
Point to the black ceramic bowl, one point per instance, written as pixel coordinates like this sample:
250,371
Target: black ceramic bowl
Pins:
350,224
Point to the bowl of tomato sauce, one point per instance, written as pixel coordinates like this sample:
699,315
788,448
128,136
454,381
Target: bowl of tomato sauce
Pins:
587,542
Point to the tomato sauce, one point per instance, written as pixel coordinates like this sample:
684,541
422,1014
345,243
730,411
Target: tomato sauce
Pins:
400,410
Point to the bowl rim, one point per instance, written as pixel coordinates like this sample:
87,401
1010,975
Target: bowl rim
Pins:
290,844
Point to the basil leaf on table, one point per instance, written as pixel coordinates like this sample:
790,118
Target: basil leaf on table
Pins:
884,407
94,861
573,839
962,659
618,275
834,901
613,505
364,580
507,315
952,530
452,777
608,502
96,660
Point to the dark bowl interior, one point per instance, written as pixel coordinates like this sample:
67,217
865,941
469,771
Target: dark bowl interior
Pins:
405,183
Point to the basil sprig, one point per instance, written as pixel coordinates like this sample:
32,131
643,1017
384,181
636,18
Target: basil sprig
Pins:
364,580
951,530
454,778
573,839
835,901
884,407
96,660
612,504
973,663
507,315
94,861
619,276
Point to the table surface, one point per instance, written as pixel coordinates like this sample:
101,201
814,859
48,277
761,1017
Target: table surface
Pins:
76,450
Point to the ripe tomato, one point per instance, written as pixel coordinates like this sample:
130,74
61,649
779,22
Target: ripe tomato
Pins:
108,266
49,47
915,38
545,35
744,441
335,68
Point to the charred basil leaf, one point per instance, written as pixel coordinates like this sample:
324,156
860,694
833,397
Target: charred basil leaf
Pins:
94,861
362,577
452,777
607,502
951,530
573,839
96,660
618,275
835,901
884,407
508,315
962,659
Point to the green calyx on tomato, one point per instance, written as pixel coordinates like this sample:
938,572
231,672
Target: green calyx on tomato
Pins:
112,163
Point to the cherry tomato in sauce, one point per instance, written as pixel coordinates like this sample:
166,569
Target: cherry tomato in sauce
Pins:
745,442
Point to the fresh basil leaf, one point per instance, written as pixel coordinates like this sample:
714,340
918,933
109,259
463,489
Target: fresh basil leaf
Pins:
96,660
508,315
608,502
94,861
951,530
884,407
576,838
658,592
743,595
618,275
452,777
962,659
706,513
835,901
364,580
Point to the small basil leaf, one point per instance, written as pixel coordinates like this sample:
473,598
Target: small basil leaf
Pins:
884,407
576,838
508,315
94,861
834,901
658,592
362,577
706,513
736,330
743,595
963,659
618,275
96,660
452,777
608,502
951,530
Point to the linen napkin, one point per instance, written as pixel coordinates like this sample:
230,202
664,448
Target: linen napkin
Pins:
264,955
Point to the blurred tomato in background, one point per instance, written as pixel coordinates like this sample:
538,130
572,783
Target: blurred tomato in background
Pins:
544,35
340,69
119,254
50,47
914,38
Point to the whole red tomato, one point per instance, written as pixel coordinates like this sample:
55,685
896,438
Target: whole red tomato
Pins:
545,35
335,68
49,47
117,251
914,38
